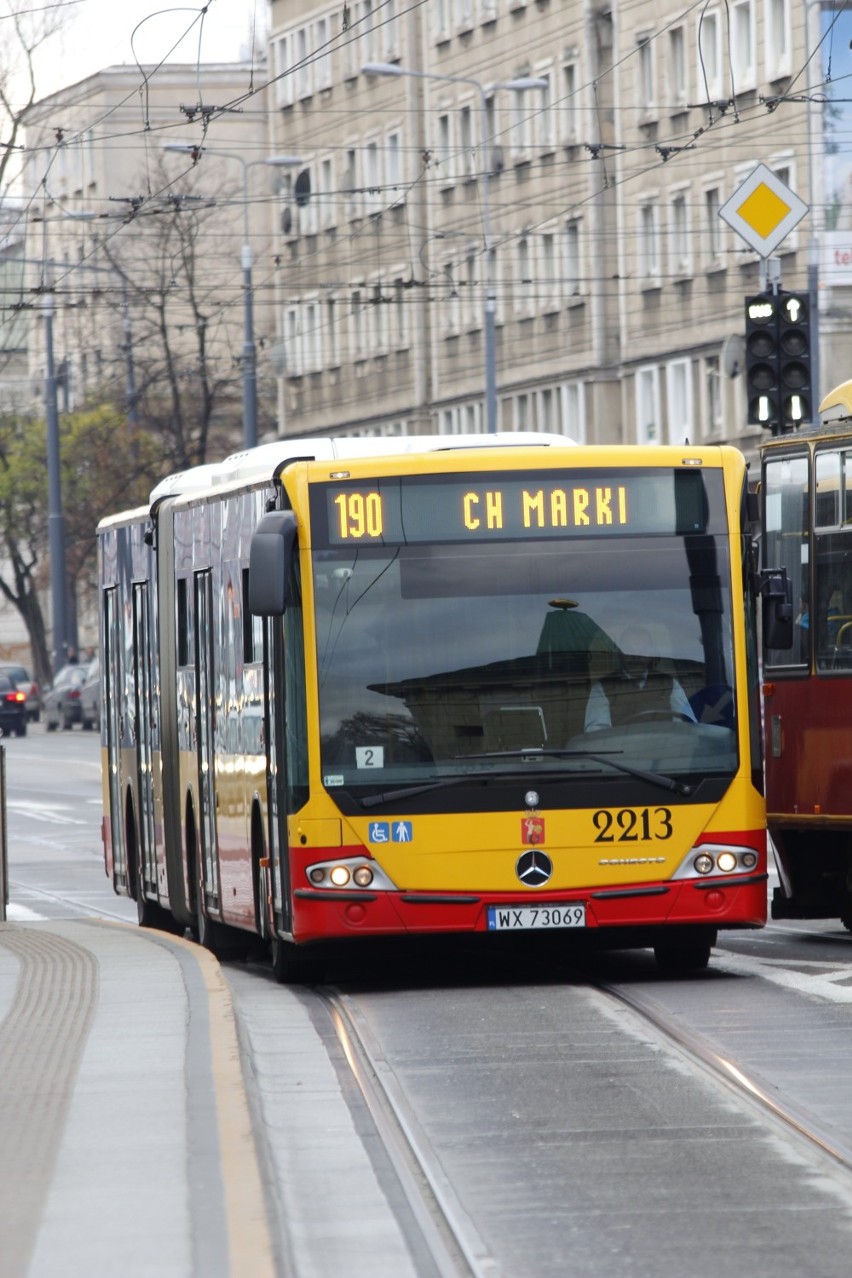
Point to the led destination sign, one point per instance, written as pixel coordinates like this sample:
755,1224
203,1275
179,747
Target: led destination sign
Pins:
475,507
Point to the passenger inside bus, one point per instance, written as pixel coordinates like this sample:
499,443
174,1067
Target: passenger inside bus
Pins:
639,685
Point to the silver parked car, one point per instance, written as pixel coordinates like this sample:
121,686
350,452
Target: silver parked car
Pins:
90,697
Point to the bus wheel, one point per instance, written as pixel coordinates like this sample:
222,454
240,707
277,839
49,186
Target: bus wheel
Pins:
681,956
293,965
846,917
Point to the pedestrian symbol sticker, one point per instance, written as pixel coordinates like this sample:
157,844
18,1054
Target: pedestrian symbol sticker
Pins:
402,831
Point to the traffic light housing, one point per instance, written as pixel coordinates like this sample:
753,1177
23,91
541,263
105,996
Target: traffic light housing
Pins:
794,360
778,361
761,345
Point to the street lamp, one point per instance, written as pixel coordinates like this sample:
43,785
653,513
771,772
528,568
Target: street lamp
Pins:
249,358
517,85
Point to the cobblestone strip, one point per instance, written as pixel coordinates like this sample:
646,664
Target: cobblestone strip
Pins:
42,1038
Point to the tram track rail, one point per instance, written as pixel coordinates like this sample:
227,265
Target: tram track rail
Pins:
794,1119
454,1244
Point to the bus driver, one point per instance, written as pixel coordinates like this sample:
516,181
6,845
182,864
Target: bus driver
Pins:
639,685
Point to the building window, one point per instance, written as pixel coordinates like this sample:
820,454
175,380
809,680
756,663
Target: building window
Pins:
282,62
357,325
463,14
548,272
304,63
322,52
367,32
467,143
332,335
712,397
400,313
373,195
649,242
393,167
777,38
472,308
445,156
569,105
571,264
543,121
646,87
523,278
440,20
520,121
311,336
326,194
293,341
709,46
351,174
713,226
573,400
680,263
679,401
678,71
742,45
389,31
647,384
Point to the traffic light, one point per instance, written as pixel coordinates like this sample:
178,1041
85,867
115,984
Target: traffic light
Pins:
794,360
761,341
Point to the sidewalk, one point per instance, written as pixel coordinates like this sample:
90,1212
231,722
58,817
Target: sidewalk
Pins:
125,1134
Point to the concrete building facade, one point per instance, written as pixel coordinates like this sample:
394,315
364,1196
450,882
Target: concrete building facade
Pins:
589,199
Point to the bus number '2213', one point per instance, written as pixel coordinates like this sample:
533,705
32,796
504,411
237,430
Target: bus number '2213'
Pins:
628,825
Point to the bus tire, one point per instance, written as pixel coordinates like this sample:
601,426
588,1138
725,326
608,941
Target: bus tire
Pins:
294,965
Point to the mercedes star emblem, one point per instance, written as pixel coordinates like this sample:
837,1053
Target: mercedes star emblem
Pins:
531,799
534,868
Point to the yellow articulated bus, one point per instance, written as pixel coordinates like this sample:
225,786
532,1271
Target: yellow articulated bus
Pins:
499,684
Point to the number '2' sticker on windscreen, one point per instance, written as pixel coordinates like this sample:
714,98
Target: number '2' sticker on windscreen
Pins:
369,756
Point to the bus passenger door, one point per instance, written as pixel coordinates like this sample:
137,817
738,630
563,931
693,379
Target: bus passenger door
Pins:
112,719
205,728
279,852
144,754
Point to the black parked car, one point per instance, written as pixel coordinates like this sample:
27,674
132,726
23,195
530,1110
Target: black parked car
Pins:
21,676
13,707
61,703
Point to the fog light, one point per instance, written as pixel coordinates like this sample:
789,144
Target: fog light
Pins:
363,876
703,863
749,860
339,876
316,876
726,862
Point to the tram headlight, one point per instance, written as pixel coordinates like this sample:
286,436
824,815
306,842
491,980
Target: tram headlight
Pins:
703,863
748,860
339,875
726,862
317,874
363,876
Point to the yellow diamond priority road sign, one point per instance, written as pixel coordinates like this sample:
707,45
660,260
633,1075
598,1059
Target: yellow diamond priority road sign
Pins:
763,210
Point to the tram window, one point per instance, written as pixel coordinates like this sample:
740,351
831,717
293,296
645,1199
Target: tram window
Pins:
786,544
827,490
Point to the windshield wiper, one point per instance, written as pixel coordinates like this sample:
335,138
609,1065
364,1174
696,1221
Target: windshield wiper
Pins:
541,752
409,791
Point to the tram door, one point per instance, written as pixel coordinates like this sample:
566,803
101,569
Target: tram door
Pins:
144,754
204,735
113,719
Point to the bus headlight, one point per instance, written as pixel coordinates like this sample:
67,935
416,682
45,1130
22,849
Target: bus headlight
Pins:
718,860
349,872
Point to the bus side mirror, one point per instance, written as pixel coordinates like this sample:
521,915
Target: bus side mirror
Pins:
777,592
270,557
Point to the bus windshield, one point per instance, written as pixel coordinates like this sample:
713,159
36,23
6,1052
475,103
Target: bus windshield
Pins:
437,661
